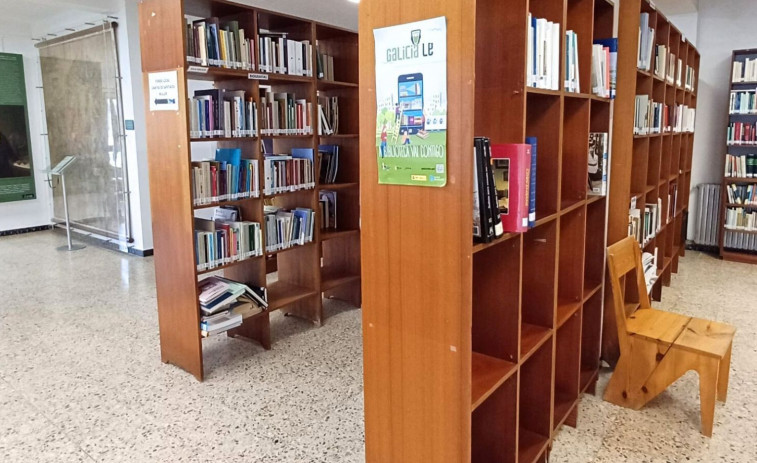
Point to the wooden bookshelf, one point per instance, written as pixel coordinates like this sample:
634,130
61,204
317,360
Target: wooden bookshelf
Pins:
480,352
645,167
729,253
327,267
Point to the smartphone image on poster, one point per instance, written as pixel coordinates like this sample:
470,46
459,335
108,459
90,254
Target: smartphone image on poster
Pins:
410,94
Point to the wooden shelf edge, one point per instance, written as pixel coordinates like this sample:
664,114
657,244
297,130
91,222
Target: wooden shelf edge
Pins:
591,199
226,266
331,279
733,255
564,210
530,445
328,234
564,404
590,290
478,247
587,377
281,294
565,310
535,336
487,374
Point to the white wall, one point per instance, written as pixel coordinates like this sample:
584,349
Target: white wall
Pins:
15,38
723,26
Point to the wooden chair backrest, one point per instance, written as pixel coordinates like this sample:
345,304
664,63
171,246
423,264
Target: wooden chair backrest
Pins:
624,262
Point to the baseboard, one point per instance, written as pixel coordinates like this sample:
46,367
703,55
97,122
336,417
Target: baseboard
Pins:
20,231
691,246
141,252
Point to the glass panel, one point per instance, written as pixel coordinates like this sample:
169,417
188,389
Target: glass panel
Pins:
81,89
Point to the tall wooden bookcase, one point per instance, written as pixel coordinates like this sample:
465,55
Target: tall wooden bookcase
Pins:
330,266
644,166
733,253
479,353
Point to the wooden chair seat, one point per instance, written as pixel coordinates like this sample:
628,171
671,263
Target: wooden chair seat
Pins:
658,347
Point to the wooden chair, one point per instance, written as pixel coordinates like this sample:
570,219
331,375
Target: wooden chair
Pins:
657,347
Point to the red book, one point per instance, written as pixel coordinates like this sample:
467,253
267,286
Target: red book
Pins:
511,164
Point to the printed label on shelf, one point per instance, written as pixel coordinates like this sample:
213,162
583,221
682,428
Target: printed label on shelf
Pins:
198,69
256,76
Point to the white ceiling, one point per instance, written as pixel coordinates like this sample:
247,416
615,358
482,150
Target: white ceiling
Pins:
672,7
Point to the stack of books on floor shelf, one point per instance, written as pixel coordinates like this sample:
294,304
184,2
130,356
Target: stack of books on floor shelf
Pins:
226,303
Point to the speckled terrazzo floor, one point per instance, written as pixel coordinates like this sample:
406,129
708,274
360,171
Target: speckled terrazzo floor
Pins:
81,378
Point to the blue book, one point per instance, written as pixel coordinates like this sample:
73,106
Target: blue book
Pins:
231,156
302,153
532,189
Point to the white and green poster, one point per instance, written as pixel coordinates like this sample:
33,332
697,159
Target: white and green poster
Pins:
411,103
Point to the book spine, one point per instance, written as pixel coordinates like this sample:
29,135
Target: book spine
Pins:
532,189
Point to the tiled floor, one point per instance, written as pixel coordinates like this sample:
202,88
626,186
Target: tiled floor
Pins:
81,377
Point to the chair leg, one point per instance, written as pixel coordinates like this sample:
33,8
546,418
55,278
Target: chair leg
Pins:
724,374
708,385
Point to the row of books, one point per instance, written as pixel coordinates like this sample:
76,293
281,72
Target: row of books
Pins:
572,80
284,173
736,240
328,160
504,197
649,264
325,65
651,117
742,133
285,114
212,42
225,303
742,194
672,201
287,228
744,71
221,241
743,102
664,63
741,165
328,115
739,218
604,67
222,113
327,205
543,55
226,178
599,145
282,55
646,43
644,224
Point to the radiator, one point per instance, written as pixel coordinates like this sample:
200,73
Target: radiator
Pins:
708,214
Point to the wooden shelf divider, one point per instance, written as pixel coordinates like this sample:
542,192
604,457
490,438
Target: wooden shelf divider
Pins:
478,352
645,168
299,285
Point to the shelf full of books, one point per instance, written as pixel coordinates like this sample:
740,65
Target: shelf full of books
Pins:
653,135
738,229
240,206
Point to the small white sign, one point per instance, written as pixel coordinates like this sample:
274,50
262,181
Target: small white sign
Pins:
256,76
197,69
164,91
